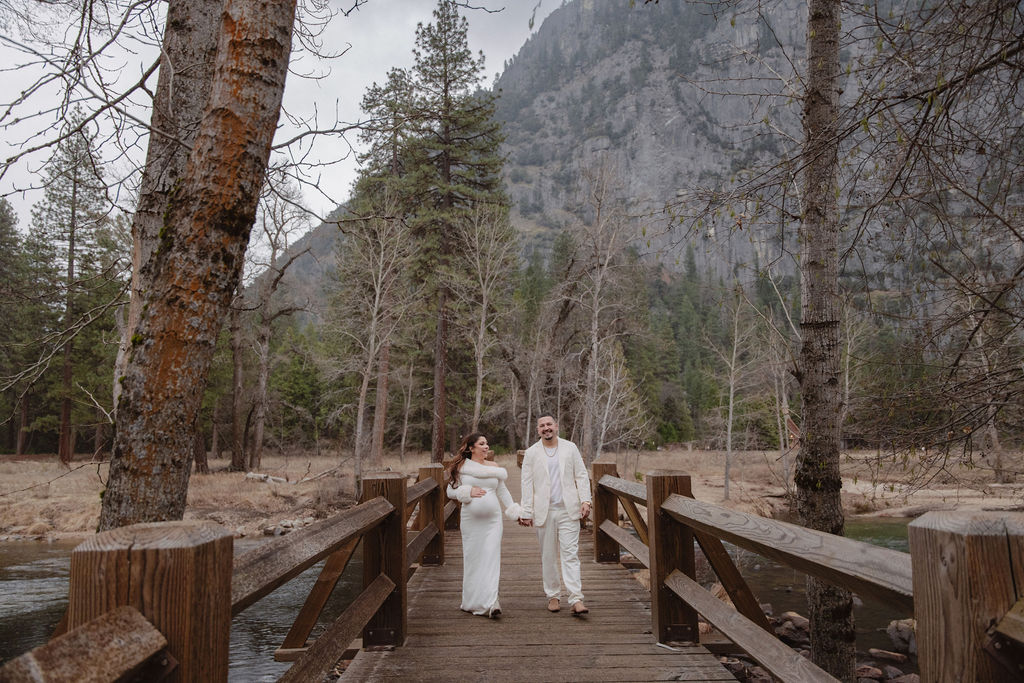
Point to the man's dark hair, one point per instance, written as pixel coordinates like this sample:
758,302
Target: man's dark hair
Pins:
543,414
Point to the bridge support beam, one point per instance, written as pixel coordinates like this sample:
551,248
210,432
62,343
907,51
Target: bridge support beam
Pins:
432,510
968,571
384,552
671,548
606,506
177,574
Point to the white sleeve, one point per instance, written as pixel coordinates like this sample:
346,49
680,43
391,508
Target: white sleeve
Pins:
513,510
461,494
582,477
527,500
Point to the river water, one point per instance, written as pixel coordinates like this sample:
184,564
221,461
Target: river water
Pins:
34,586
34,595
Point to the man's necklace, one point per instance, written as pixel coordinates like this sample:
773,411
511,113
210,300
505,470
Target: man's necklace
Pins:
551,451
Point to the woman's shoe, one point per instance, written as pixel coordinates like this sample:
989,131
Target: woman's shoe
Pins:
579,609
553,605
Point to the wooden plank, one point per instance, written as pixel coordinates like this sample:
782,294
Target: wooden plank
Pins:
870,571
108,648
968,573
418,490
776,657
451,515
268,566
629,490
317,598
324,653
177,574
1012,623
432,511
733,582
635,519
628,541
419,542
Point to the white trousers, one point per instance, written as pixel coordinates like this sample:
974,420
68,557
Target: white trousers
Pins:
559,545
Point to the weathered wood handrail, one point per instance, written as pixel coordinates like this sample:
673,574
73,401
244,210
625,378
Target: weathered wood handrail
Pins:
419,542
117,645
419,490
260,571
179,580
963,578
777,657
870,571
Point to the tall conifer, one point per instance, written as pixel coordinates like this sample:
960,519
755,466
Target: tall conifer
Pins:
455,165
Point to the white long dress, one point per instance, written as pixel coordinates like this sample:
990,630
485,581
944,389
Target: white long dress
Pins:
481,533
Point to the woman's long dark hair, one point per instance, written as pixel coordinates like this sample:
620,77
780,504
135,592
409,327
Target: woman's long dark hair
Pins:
454,466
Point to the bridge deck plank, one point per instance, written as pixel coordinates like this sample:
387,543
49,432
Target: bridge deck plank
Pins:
612,643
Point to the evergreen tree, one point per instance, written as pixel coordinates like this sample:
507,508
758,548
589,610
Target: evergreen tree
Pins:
11,272
69,220
456,165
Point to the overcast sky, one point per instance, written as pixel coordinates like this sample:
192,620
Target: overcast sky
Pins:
381,35
376,37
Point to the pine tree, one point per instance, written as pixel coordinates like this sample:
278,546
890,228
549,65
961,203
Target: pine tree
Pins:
455,165
68,220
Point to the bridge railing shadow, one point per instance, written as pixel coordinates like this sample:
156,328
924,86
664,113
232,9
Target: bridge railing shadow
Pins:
963,579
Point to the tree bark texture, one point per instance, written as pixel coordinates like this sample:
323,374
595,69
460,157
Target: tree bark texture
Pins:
187,59
817,477
197,266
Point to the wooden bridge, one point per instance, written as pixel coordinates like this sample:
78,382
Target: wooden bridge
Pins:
154,602
527,643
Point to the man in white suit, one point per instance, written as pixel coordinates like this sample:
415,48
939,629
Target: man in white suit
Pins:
556,495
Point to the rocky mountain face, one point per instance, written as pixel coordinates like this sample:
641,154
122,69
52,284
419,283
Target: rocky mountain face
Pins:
672,95
662,90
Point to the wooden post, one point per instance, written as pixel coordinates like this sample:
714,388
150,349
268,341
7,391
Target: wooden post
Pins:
177,574
606,506
968,571
384,553
671,548
432,510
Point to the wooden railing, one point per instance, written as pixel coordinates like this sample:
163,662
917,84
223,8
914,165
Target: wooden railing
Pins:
154,601
963,579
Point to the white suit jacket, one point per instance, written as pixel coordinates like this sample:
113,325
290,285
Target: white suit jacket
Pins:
537,483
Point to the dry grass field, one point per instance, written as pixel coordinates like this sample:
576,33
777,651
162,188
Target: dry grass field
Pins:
39,498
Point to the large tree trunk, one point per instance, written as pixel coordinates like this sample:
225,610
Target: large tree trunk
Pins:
183,88
197,267
23,423
199,452
406,411
262,379
237,396
817,477
215,431
380,409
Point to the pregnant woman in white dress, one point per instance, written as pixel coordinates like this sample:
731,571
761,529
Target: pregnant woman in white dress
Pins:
479,485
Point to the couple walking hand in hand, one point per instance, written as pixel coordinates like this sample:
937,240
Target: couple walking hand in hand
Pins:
556,495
